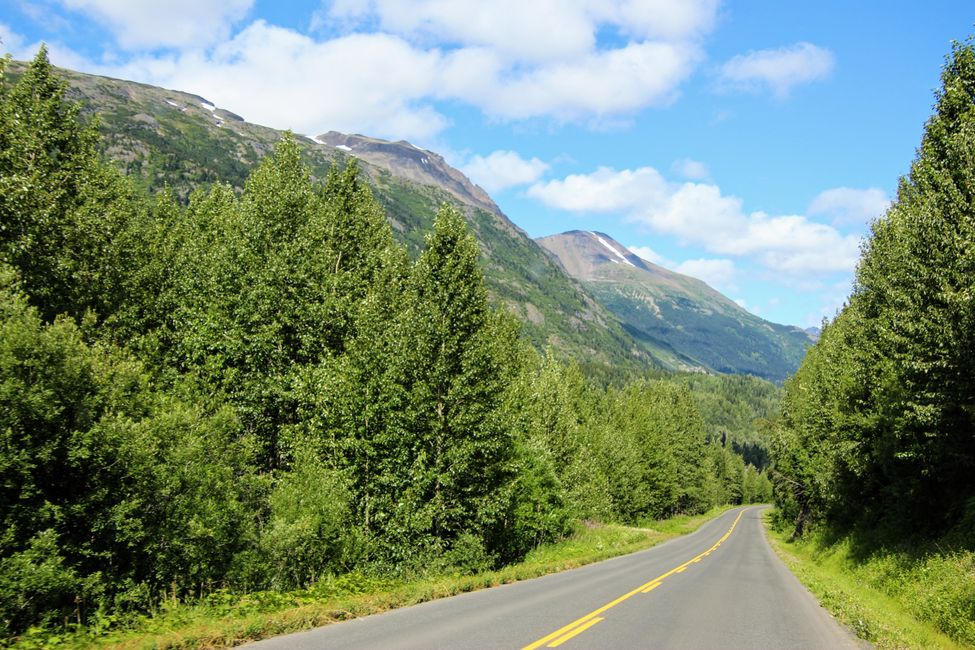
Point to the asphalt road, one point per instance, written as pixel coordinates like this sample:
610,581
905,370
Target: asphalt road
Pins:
720,587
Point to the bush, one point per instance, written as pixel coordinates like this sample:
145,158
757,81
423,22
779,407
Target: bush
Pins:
308,533
35,585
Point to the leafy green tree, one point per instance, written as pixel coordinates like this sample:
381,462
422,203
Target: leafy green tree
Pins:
60,207
454,366
914,288
110,491
877,423
307,535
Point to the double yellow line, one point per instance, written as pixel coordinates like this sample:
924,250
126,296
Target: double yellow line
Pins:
580,625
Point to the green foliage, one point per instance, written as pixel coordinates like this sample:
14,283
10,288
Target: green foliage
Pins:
60,207
35,584
893,593
683,323
452,368
306,534
259,390
877,424
106,485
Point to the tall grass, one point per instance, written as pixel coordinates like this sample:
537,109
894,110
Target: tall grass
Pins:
894,593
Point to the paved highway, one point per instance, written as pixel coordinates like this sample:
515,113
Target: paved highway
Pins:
720,587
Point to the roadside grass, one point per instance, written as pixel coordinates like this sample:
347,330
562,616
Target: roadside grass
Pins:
900,597
223,619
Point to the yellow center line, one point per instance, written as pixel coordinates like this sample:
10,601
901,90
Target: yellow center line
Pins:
580,625
578,630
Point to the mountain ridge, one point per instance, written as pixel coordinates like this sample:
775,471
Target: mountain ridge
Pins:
182,141
681,321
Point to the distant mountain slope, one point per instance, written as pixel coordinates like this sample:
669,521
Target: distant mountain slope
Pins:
680,321
181,141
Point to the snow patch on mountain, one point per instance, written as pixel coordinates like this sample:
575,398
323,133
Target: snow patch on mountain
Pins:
613,250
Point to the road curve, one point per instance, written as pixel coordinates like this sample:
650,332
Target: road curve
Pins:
720,587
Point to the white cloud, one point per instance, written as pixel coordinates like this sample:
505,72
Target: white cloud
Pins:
174,23
519,60
599,84
12,42
691,169
846,205
664,19
500,170
536,31
699,214
368,83
719,273
778,70
650,255
604,190
383,67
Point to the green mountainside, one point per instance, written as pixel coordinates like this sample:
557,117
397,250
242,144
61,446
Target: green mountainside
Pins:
180,141
680,321
611,317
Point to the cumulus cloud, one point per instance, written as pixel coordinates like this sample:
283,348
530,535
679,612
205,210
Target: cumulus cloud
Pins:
719,273
650,255
600,84
699,214
778,70
536,31
373,83
171,24
845,205
500,170
384,67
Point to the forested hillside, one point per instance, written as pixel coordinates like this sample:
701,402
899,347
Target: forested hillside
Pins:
875,441
680,321
255,391
166,139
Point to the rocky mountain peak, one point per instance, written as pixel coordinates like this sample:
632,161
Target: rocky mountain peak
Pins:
409,161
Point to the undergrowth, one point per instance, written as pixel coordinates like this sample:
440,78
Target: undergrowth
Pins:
895,594
224,619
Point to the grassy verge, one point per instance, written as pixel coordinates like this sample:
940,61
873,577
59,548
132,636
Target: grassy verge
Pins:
894,598
224,619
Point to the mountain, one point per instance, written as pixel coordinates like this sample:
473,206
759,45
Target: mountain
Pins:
180,141
680,321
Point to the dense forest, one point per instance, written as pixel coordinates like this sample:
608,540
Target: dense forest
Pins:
254,390
873,450
877,425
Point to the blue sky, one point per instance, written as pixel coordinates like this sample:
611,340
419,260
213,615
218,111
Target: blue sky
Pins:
746,143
